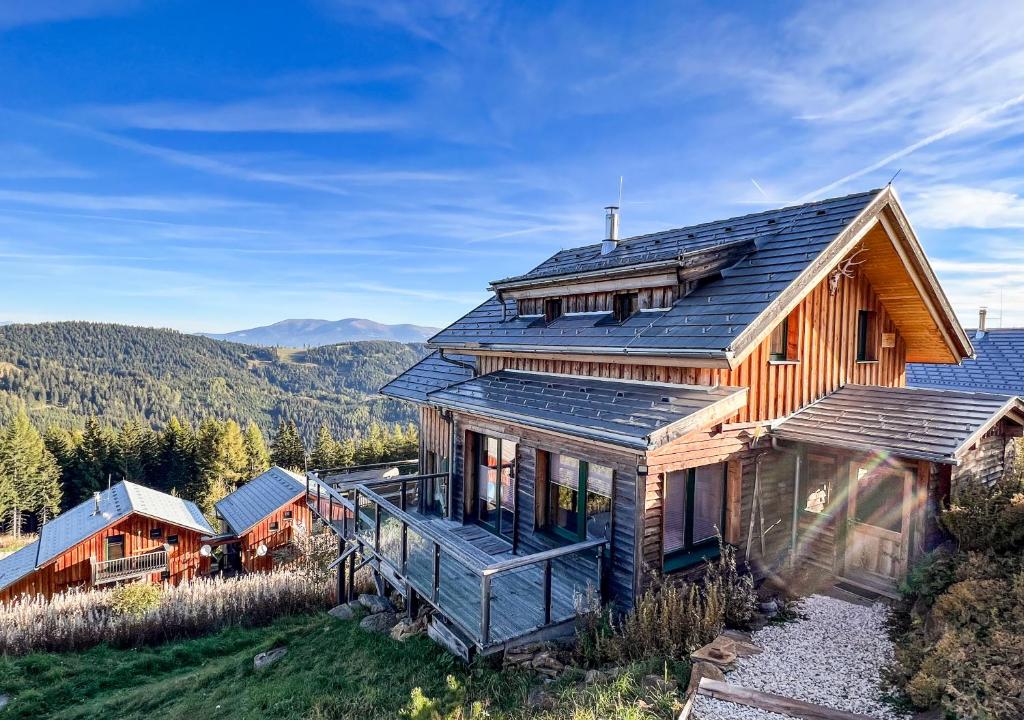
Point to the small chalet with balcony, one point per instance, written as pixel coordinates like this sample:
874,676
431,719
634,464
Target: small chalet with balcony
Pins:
624,403
128,532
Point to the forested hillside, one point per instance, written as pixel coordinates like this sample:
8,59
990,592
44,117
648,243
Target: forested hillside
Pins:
68,371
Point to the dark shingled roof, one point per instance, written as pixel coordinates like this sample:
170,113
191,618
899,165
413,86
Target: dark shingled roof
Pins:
920,423
704,322
626,413
431,373
998,366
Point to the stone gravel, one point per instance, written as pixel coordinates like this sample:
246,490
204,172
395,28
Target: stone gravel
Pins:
833,658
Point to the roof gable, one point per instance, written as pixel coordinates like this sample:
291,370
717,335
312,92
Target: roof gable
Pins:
259,497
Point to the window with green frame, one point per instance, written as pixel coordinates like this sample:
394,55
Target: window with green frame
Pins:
579,498
694,514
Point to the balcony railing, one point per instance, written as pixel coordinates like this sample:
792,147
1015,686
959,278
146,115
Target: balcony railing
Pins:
490,601
105,571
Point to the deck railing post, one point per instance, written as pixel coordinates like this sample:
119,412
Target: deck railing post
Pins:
319,510
405,545
330,510
547,592
485,610
401,496
352,576
600,572
376,527
355,512
437,572
341,571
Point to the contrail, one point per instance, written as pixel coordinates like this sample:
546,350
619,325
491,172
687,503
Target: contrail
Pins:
942,134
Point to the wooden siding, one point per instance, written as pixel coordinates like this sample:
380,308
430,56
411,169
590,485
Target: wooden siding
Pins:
435,440
986,461
826,338
73,568
647,298
274,539
623,573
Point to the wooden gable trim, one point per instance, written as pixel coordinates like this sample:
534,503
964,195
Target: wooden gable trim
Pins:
1013,409
915,264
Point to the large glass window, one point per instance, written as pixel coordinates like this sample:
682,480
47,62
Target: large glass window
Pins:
694,509
495,481
879,500
579,498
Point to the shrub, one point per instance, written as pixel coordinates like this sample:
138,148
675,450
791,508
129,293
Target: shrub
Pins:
134,598
78,619
987,517
736,591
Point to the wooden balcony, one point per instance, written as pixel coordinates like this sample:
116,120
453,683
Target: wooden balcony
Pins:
492,598
127,568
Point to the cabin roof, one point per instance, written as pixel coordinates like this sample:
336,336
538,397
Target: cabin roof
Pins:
998,365
706,321
774,258
433,372
258,498
636,415
82,521
920,423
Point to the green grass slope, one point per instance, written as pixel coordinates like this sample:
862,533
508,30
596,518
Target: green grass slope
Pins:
67,371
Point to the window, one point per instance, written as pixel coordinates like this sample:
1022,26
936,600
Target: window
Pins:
818,491
495,484
172,539
274,525
156,533
783,344
694,512
287,514
879,500
624,305
579,498
552,309
115,547
867,336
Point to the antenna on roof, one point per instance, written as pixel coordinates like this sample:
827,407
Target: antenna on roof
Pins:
894,176
620,191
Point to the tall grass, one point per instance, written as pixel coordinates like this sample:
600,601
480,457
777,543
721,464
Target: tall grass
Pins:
76,619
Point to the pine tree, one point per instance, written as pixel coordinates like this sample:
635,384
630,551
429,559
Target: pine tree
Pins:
130,457
32,484
257,457
326,451
346,453
93,464
177,457
287,449
215,473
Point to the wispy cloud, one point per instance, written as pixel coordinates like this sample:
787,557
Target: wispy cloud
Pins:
20,161
150,203
15,13
953,206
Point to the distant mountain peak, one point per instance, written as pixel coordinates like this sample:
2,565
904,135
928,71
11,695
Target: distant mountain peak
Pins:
302,332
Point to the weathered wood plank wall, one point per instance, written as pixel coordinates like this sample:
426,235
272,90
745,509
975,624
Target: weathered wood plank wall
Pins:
274,539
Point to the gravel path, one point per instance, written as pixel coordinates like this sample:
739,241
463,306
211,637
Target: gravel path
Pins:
833,658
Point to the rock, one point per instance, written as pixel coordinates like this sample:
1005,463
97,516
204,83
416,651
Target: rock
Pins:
406,629
659,684
376,603
547,664
702,670
268,658
593,677
539,699
381,622
770,608
343,612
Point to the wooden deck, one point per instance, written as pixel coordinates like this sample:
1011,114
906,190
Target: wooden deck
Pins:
470,576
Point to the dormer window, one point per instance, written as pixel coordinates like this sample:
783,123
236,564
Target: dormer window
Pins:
783,346
552,309
624,305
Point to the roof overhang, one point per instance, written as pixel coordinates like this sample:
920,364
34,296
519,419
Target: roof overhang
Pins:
900,274
683,357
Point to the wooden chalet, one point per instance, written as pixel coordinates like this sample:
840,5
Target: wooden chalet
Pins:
128,532
617,407
259,520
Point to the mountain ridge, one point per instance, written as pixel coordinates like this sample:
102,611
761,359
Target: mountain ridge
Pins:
313,332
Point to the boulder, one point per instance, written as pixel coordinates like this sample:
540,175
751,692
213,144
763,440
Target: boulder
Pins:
547,664
347,611
703,670
381,622
659,684
539,699
268,658
406,629
376,603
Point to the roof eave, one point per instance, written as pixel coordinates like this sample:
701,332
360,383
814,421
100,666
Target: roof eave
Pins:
724,356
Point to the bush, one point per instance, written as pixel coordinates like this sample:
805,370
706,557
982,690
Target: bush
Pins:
987,518
78,619
135,598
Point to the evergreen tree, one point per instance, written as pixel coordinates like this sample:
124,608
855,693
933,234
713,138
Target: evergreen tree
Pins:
177,457
214,470
93,463
287,449
33,478
326,451
257,457
131,452
346,454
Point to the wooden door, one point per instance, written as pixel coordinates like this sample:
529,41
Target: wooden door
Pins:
878,527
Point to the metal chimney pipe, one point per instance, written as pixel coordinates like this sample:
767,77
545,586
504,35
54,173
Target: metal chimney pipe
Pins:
983,319
611,236
96,499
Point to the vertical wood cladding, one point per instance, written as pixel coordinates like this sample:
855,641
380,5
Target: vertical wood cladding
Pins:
435,440
275,539
647,298
530,536
73,568
986,462
826,338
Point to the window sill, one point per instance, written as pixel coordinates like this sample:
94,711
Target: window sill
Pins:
868,362
690,558
783,362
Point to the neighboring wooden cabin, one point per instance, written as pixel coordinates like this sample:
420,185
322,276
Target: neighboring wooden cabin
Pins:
656,390
128,532
260,519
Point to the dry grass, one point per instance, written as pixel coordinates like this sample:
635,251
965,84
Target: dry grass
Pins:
76,619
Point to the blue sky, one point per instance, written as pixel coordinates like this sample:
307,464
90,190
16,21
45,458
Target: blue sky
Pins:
218,165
